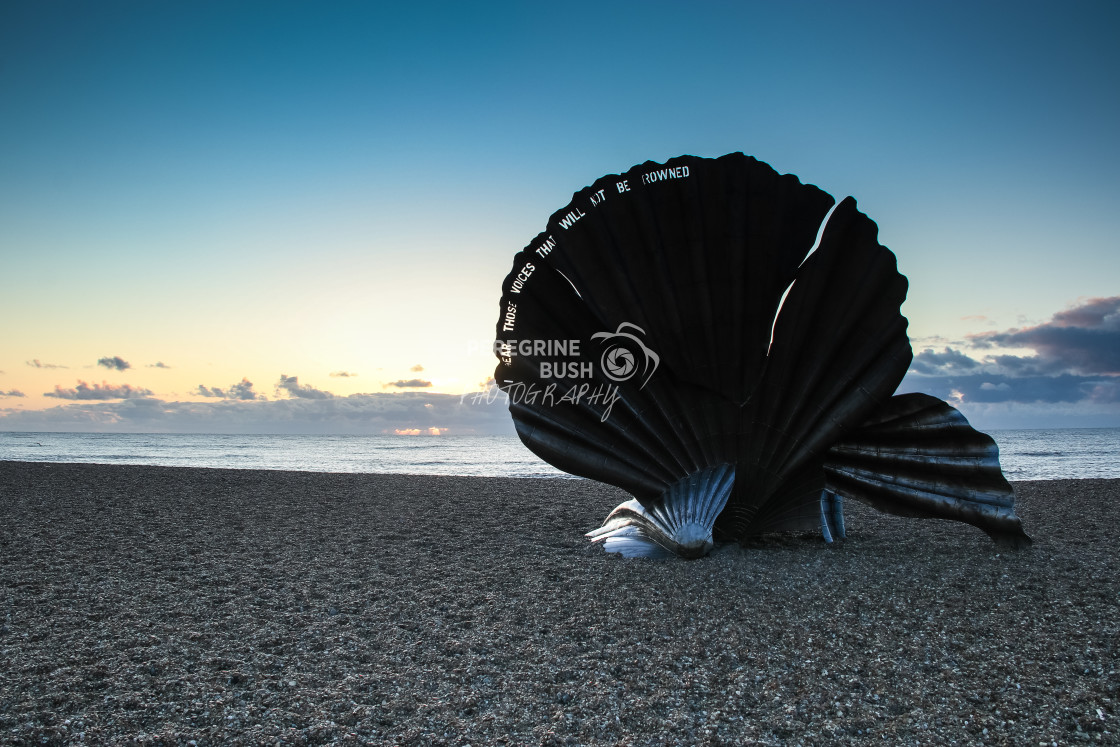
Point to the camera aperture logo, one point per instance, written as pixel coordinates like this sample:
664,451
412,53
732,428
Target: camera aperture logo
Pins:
622,356
625,354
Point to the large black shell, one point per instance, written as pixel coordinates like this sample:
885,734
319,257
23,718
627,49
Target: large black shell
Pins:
680,332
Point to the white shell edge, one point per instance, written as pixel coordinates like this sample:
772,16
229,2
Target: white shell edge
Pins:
680,523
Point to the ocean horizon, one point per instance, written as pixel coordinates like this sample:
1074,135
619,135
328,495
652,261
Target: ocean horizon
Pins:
1025,454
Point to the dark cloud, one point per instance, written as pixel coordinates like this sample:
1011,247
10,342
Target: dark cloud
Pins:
1103,313
1017,365
37,364
291,385
1104,392
930,361
1077,360
243,390
409,384
375,413
115,363
1001,388
342,374
13,393
417,368
98,391
1081,340
158,364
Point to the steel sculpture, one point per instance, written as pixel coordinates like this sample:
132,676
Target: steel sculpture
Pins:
720,342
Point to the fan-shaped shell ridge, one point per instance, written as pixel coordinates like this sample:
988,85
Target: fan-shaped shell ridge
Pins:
638,261
680,523
839,351
918,456
697,252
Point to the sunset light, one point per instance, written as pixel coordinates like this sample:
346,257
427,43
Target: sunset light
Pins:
287,235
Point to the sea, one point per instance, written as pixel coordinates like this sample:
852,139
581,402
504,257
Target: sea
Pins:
1070,453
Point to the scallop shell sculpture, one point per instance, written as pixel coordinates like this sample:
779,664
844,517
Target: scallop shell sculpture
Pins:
720,342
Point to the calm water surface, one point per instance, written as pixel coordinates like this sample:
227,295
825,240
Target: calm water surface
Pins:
1024,454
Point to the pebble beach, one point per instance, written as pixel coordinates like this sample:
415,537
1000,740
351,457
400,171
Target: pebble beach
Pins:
179,606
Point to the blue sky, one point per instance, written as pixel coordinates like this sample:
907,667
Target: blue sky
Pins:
217,194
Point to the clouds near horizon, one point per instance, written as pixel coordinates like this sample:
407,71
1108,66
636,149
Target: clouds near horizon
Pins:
1066,367
409,384
376,413
948,360
243,390
1076,360
102,391
1083,340
291,386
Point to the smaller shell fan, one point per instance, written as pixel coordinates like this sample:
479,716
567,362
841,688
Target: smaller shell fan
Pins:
919,457
679,331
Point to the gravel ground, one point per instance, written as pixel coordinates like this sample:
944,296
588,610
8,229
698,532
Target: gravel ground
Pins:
174,606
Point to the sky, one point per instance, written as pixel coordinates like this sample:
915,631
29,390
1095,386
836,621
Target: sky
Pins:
277,216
